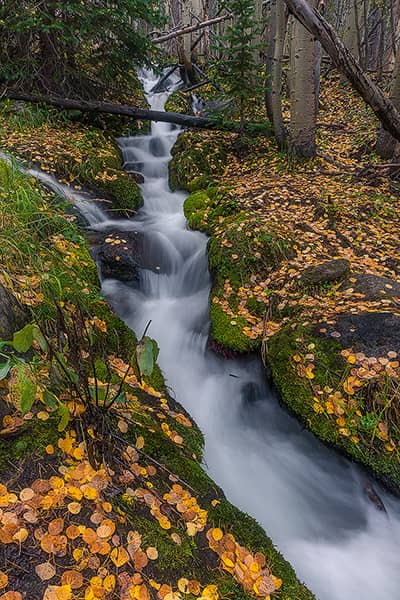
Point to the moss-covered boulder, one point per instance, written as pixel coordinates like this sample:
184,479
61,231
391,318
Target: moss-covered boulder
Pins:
197,157
337,380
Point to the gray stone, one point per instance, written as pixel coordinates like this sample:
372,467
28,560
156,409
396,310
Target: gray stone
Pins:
119,254
12,315
373,333
331,270
372,287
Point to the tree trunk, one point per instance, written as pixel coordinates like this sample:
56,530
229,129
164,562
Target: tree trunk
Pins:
383,108
351,34
303,123
269,59
276,92
386,143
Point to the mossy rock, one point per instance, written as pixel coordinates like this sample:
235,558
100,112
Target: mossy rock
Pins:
298,396
195,161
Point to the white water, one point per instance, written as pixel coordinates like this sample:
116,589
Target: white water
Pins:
309,500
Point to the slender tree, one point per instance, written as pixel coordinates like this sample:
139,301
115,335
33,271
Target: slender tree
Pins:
303,122
239,65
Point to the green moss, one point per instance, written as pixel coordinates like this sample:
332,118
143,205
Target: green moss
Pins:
297,395
228,335
165,451
178,102
31,440
195,161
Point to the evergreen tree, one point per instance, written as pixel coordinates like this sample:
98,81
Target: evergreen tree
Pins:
240,67
73,47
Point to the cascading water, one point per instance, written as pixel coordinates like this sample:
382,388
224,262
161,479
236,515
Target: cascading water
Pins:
309,500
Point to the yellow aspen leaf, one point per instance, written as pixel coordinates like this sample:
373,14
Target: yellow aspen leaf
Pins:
341,421
164,522
72,532
106,529
152,553
228,560
11,596
297,358
194,587
74,508
351,359
79,453
3,580
176,538
26,494
109,583
183,585
140,442
77,554
309,373
20,535
72,578
89,492
217,534
49,449
45,571
56,526
191,529
215,502
210,592
119,556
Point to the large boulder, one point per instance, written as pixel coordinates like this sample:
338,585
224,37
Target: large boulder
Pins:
374,333
372,287
331,270
12,315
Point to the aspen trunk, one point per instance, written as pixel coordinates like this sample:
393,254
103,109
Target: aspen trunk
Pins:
303,123
386,145
382,106
276,84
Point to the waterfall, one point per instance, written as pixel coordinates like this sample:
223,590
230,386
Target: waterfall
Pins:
309,500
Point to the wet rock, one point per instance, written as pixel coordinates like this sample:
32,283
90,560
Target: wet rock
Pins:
375,334
12,315
138,177
372,287
119,255
330,270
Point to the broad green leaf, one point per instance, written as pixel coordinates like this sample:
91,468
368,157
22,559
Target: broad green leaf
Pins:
50,399
145,356
63,412
5,369
28,393
39,338
22,340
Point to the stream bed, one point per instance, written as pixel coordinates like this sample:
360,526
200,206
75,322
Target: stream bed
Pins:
310,500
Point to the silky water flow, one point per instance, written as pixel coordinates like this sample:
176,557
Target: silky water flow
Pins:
309,500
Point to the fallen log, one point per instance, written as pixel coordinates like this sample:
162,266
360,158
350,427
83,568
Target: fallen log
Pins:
190,29
345,62
120,109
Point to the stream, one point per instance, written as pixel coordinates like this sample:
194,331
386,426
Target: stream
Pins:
310,500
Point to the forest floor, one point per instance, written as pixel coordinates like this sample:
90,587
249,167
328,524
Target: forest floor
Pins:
102,492
306,263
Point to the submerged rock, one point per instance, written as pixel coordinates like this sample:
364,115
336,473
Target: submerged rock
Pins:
12,315
331,270
119,255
